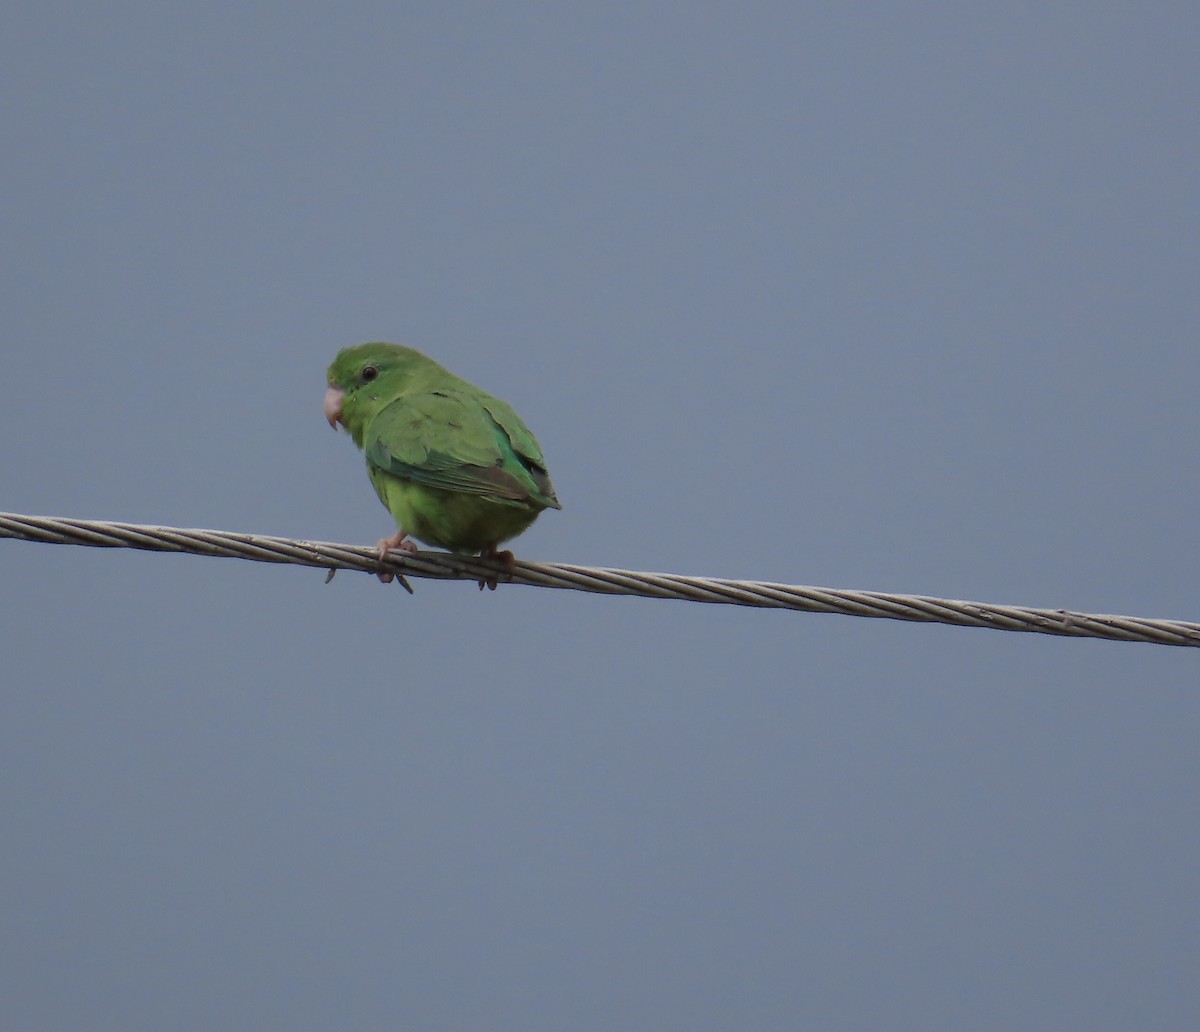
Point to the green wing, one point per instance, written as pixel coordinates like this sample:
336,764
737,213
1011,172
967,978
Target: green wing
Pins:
455,441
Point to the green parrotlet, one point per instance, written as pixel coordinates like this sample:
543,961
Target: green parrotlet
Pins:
456,467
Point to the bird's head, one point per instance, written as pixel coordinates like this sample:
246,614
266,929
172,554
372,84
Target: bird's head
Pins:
363,379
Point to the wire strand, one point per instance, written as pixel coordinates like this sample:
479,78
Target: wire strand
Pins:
448,566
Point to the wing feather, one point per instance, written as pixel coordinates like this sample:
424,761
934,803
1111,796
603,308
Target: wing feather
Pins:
455,441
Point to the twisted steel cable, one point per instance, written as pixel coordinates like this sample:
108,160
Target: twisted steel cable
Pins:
447,566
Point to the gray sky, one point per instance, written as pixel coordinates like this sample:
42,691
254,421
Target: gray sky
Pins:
899,297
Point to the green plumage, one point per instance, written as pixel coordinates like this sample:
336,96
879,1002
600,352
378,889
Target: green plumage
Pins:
455,466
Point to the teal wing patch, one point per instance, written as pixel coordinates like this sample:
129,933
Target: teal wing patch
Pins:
459,442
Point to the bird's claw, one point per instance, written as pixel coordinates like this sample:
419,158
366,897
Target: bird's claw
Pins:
401,542
504,558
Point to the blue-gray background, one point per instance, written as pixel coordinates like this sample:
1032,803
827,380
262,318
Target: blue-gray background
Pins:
894,296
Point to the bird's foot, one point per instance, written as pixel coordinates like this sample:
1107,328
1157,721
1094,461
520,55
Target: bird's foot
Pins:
402,542
504,558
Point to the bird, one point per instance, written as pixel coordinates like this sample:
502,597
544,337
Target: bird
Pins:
456,467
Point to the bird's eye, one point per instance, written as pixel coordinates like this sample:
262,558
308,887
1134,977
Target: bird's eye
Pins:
369,373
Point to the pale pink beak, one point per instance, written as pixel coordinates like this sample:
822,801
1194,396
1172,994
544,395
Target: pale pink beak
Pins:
333,405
